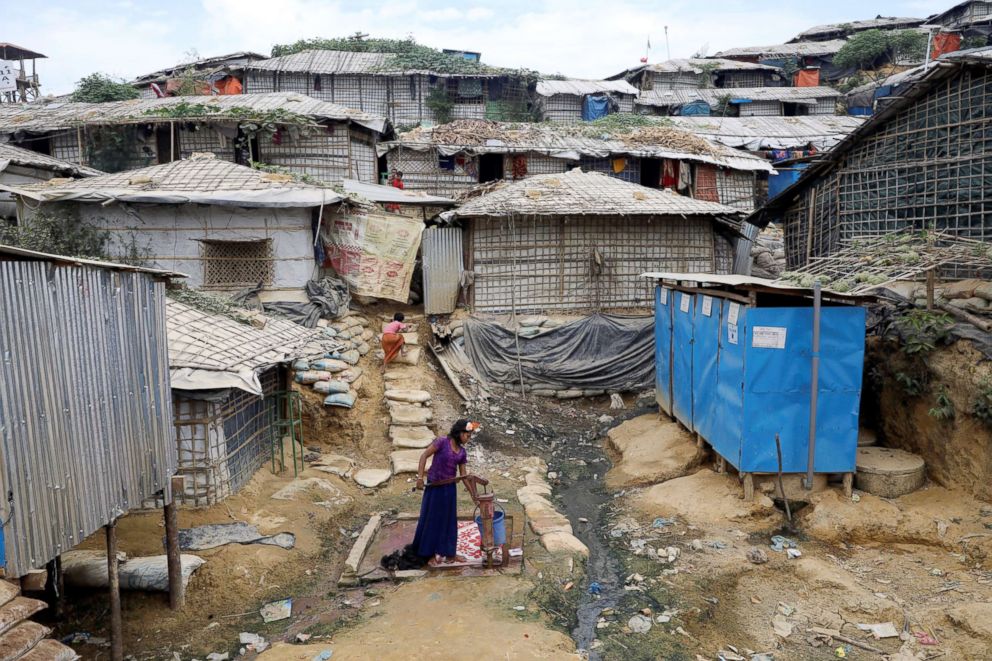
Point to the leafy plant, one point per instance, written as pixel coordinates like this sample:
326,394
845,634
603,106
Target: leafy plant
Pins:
116,148
99,88
945,408
57,232
914,386
981,403
922,331
974,41
184,110
872,48
440,104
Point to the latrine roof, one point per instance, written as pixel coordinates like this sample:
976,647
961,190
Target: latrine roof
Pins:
578,193
64,115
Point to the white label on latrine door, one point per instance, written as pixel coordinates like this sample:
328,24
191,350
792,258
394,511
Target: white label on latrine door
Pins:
707,306
768,337
684,303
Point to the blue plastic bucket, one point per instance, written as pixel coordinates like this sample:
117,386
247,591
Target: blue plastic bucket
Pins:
499,528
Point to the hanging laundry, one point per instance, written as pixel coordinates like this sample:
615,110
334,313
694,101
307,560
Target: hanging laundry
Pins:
669,174
706,183
519,167
471,168
685,177
619,165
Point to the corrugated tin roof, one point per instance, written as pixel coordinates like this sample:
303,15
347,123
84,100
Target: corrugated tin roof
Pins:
380,193
239,59
55,116
330,62
201,180
572,142
937,19
745,282
754,133
810,48
848,27
28,158
208,351
578,193
33,255
582,87
714,95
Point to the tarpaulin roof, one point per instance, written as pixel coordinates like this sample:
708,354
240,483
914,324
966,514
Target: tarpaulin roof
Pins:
578,193
380,193
849,27
199,180
9,154
810,48
209,351
715,95
755,133
583,87
55,116
330,62
572,143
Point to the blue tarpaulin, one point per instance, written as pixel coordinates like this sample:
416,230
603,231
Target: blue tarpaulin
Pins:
785,178
694,109
594,107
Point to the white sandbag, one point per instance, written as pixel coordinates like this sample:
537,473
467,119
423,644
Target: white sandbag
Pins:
351,357
408,396
88,569
312,376
329,332
363,348
531,322
350,375
342,399
301,365
331,387
329,365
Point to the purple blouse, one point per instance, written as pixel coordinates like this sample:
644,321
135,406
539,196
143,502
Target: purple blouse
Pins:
446,460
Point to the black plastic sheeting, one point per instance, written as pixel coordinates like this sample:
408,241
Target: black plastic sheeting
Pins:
600,352
329,298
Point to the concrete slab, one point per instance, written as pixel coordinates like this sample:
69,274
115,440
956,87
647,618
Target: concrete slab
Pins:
349,576
335,464
408,415
411,437
406,461
563,543
650,451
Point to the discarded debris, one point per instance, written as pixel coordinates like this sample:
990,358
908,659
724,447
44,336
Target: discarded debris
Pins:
662,522
639,624
780,543
277,610
757,556
880,630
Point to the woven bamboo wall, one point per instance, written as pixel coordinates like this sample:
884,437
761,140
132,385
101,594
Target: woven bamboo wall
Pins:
760,109
736,188
565,108
827,106
364,163
539,264
421,172
537,164
681,80
323,155
143,149
929,166
736,79
204,139
631,171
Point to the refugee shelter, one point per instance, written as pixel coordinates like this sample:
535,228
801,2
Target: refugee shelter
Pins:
88,440
231,397
221,74
22,166
453,158
292,131
583,100
744,102
579,240
228,226
388,85
970,18
812,55
695,73
918,164
416,204
832,31
753,366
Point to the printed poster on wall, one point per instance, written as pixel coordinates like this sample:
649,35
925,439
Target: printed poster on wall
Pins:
664,296
735,311
8,76
374,253
732,333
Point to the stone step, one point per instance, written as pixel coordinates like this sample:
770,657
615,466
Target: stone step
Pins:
372,477
408,396
407,461
411,437
409,415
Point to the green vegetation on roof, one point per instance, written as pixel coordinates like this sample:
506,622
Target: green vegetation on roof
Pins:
100,88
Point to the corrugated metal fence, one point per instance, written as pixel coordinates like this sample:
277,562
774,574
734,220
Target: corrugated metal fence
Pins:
86,429
442,252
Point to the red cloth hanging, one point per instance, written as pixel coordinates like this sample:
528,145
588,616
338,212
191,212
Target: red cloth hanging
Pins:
808,78
945,42
669,174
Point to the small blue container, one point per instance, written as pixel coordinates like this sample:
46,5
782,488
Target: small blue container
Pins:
499,528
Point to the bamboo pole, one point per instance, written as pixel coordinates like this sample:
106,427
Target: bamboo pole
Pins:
177,591
114,584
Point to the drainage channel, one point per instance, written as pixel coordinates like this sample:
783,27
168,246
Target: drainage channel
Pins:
584,499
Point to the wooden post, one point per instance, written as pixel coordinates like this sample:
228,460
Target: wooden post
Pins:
55,587
79,145
177,593
930,287
114,583
749,487
848,484
172,141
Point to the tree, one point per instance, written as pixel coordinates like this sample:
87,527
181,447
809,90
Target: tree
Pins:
99,87
873,48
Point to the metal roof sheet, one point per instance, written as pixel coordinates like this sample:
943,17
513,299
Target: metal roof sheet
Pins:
332,62
208,351
9,51
380,193
810,48
201,180
848,27
28,158
55,116
714,95
576,193
238,59
582,87
746,282
755,133
35,256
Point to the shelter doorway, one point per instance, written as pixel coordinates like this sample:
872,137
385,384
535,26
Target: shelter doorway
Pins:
794,109
490,168
651,172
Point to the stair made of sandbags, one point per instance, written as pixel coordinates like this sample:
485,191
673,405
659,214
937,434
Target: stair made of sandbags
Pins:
337,375
20,638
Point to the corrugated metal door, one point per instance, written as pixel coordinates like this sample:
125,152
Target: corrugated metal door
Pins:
682,338
663,348
442,253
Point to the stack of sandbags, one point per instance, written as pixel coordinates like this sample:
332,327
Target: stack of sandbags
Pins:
334,378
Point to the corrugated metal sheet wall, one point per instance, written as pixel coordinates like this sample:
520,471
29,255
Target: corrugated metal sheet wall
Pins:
85,407
442,251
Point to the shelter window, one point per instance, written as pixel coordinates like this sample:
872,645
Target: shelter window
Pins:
317,85
236,264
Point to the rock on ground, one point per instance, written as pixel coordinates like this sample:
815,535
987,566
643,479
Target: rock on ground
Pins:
411,437
335,464
651,450
707,498
563,543
372,477
407,461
